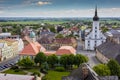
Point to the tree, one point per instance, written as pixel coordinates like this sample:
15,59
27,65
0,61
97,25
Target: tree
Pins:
67,60
52,29
52,60
114,67
63,60
102,70
26,62
40,58
59,36
4,30
79,59
70,60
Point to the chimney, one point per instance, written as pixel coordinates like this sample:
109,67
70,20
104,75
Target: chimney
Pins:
85,72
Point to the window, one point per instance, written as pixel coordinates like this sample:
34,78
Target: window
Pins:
96,27
88,44
95,36
95,42
88,41
95,31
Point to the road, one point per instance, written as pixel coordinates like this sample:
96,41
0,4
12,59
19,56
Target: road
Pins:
90,54
8,63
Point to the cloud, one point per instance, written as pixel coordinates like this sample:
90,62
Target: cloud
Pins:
104,12
1,12
43,3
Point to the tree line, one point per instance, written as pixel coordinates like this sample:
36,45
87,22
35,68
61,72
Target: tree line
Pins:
51,61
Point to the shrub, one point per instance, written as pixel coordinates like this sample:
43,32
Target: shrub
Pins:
44,78
14,67
44,71
60,69
36,73
17,70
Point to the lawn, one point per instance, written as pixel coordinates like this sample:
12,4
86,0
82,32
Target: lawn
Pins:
54,75
22,71
33,22
33,70
11,71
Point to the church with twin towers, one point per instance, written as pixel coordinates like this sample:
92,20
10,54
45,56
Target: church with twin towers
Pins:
95,37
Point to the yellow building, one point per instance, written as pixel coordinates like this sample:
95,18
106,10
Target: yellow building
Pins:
8,48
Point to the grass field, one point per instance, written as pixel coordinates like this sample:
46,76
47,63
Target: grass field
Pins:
11,71
54,75
33,22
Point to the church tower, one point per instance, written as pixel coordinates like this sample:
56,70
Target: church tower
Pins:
95,37
95,28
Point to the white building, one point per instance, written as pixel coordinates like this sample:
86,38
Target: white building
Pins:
95,37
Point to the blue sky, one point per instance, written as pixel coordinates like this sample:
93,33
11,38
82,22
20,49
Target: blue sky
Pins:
59,8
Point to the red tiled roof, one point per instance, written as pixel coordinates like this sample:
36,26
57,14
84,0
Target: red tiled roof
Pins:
32,49
66,50
50,52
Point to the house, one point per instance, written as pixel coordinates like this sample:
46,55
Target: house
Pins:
65,50
8,48
85,72
14,37
46,37
31,50
16,77
95,37
66,42
111,48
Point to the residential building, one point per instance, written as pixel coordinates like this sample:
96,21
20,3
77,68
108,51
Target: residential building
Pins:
65,50
66,42
111,48
95,37
8,48
31,50
14,37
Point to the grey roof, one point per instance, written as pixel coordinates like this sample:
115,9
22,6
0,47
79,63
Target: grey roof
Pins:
78,74
110,50
47,32
108,78
115,33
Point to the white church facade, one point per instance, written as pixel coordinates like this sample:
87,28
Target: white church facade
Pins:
95,37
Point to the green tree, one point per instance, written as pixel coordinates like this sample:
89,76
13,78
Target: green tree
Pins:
59,36
79,59
70,60
52,29
67,60
40,58
114,67
26,62
4,30
52,60
64,60
102,70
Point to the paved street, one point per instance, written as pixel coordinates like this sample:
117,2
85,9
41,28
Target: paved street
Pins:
91,54
8,63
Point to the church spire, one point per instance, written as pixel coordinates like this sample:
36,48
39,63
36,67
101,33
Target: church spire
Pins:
95,18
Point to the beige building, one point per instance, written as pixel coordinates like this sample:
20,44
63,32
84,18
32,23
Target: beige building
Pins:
8,48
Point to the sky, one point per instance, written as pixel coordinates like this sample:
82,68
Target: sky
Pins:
59,8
